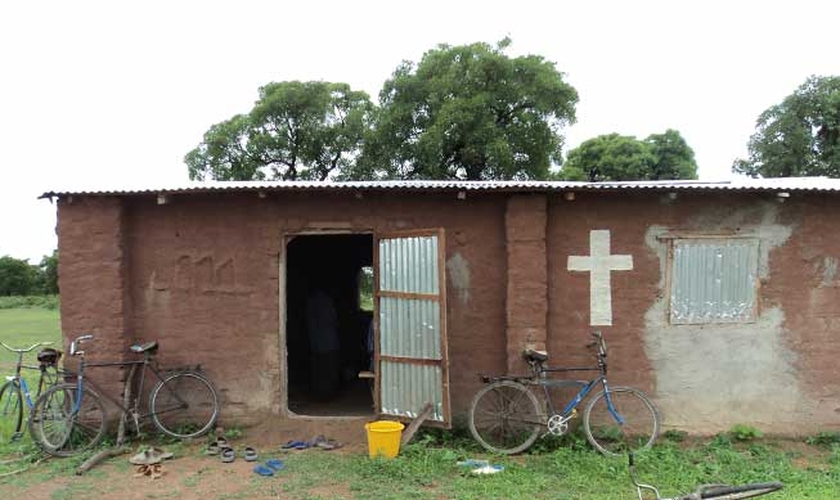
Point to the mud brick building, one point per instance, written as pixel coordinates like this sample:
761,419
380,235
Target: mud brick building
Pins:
721,300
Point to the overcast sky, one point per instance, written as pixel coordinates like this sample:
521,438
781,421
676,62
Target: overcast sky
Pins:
116,93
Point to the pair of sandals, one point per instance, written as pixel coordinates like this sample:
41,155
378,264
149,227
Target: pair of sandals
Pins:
270,466
221,447
317,442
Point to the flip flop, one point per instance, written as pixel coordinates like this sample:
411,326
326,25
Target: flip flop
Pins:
212,449
147,457
263,470
250,454
296,445
228,455
164,455
275,464
317,440
329,444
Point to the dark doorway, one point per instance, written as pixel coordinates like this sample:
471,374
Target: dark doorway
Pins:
328,317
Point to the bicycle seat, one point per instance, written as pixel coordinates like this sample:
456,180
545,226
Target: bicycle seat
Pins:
534,355
150,347
49,356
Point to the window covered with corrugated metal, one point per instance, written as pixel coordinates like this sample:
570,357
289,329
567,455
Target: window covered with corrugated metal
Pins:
714,280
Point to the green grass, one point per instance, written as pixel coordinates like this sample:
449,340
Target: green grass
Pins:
428,471
24,327
21,328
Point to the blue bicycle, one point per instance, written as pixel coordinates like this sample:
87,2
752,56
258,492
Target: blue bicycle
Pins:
506,415
15,394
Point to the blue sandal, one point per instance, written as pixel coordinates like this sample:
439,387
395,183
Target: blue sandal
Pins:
297,445
262,470
275,464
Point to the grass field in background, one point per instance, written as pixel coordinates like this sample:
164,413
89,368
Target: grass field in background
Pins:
21,328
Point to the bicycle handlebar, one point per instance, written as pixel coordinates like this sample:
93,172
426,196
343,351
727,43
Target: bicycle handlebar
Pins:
33,346
705,491
79,340
83,338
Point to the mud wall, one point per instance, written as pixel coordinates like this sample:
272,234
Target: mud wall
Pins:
202,275
776,373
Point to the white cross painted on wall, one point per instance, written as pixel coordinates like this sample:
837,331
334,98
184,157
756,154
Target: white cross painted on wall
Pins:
600,264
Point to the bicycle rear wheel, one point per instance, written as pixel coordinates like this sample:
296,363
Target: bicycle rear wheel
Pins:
505,417
738,492
59,429
633,425
11,411
184,404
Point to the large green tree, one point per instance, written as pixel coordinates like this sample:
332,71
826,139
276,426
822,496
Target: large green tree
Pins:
614,157
48,274
295,131
800,136
469,112
17,277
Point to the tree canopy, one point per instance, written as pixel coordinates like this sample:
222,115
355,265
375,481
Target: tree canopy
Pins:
19,277
295,131
469,112
800,136
615,157
463,112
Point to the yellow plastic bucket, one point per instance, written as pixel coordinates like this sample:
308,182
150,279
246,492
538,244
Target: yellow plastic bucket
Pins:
383,438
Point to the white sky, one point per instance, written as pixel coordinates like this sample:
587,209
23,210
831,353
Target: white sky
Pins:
116,93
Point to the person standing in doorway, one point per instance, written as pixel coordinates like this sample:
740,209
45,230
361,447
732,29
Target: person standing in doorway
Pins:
324,344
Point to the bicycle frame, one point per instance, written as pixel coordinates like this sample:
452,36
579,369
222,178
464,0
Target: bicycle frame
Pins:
147,363
19,366
581,394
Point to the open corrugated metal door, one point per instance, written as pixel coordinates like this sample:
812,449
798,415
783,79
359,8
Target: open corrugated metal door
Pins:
411,356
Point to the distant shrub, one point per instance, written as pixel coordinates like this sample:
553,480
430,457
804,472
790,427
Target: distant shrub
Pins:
29,302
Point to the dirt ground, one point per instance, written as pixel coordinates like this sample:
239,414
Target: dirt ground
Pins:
190,474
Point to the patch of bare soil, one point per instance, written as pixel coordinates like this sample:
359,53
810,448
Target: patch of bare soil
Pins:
190,475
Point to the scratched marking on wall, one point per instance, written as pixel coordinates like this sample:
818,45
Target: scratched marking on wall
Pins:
600,264
202,273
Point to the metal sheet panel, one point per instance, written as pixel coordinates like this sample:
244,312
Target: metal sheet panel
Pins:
406,388
409,265
714,281
412,326
738,184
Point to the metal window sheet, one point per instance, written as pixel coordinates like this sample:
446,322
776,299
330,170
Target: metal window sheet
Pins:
714,281
405,388
412,326
409,265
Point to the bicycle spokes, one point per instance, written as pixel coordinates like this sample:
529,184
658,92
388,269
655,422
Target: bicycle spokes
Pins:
505,417
623,421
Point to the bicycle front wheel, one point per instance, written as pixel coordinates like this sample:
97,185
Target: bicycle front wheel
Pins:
738,492
11,411
184,405
505,417
62,429
621,420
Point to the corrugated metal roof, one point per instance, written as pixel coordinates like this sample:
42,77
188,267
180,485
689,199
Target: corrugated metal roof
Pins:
740,184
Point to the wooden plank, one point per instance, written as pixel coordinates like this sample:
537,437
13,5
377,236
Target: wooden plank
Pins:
415,424
410,361
410,295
